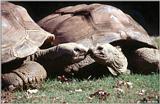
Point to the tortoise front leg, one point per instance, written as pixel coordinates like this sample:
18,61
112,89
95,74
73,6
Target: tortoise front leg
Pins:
30,74
145,60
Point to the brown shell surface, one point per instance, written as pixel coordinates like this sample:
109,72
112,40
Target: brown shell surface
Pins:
94,23
21,36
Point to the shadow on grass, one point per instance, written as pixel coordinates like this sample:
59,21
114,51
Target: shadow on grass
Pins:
94,71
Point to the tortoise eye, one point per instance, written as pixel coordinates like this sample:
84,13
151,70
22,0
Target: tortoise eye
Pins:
99,48
77,49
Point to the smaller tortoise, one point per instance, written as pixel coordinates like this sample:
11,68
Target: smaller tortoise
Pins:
21,42
98,23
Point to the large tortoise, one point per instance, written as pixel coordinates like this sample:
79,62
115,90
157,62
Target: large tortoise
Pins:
103,24
21,42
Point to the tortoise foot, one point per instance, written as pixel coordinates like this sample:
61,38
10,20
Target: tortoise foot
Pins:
30,74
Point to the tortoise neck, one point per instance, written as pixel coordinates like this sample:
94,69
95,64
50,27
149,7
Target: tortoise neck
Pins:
44,54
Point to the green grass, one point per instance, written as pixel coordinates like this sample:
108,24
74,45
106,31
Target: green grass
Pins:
53,91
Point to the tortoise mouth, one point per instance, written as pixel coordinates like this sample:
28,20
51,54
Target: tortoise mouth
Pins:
99,57
100,54
79,57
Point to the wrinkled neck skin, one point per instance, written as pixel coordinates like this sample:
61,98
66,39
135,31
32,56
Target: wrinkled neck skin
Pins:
52,59
50,53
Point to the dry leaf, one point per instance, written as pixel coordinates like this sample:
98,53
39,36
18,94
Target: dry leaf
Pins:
152,97
78,90
33,91
101,94
90,98
141,92
126,84
63,78
129,84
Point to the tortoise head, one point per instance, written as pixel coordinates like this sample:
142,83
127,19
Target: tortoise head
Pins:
111,57
76,51
102,52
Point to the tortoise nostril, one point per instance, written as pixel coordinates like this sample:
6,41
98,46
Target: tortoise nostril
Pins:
101,53
99,48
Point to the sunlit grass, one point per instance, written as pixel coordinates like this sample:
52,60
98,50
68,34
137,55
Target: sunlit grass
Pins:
53,91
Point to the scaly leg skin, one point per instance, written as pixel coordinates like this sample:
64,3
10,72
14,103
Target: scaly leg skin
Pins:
145,60
112,57
30,74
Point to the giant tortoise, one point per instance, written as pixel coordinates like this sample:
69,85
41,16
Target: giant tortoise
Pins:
22,40
97,25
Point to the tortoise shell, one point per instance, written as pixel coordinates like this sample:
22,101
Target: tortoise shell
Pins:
21,36
94,23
